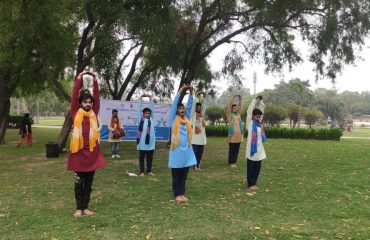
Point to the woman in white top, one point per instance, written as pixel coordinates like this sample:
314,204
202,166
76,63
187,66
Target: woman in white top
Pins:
198,123
256,136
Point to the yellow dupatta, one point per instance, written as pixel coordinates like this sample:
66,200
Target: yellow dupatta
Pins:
175,138
77,141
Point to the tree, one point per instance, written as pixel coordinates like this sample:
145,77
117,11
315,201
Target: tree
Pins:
268,29
274,114
294,114
330,104
312,116
295,91
35,47
138,61
215,113
225,96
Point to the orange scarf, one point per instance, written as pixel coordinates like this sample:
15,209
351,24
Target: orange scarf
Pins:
114,121
175,139
77,141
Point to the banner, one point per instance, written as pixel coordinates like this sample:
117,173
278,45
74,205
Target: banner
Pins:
128,114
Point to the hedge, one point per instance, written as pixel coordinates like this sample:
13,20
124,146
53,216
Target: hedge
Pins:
284,132
14,121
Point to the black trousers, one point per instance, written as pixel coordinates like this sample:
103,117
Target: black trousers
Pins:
179,176
253,171
149,160
198,152
233,152
83,188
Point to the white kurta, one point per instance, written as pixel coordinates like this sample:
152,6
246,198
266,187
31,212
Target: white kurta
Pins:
260,154
201,138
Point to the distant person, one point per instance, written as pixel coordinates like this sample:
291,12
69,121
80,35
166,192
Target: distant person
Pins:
199,138
116,132
256,137
181,155
25,130
236,129
85,156
145,136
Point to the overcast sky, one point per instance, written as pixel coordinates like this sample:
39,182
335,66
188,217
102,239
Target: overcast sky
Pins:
353,78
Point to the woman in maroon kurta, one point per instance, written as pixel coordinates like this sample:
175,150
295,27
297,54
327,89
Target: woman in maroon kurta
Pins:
84,162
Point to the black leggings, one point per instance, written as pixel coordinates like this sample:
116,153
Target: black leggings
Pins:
83,188
253,171
233,152
149,160
198,152
179,176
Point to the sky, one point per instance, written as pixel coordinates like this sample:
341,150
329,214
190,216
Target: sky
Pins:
353,77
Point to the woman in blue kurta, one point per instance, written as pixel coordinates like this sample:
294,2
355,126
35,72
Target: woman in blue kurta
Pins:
145,136
181,155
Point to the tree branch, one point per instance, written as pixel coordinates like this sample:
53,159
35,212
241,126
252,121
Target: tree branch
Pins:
131,73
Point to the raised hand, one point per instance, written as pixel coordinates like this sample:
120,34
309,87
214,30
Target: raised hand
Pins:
183,88
191,88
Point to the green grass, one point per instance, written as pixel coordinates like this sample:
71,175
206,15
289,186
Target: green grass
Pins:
358,132
51,121
307,190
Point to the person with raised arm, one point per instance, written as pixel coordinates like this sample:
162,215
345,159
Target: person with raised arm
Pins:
181,155
85,155
236,128
256,137
199,128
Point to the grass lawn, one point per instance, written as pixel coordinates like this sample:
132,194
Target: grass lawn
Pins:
307,190
51,121
358,132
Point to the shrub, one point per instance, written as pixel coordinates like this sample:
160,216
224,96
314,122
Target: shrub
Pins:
294,113
312,116
215,113
216,131
283,132
304,133
274,114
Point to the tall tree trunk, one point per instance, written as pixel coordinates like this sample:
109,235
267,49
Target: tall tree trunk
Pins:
18,106
64,132
4,117
37,119
5,93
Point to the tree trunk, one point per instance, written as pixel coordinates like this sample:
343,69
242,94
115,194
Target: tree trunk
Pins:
18,106
4,117
64,132
37,118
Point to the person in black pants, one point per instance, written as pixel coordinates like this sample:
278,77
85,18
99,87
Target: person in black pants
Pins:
256,137
149,161
181,155
198,123
83,188
236,128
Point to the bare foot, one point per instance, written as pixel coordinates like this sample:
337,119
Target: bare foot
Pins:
78,213
185,199
233,165
142,174
179,199
151,174
87,212
254,187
